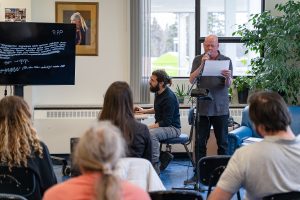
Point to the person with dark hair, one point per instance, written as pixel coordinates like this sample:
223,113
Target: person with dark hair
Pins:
118,108
166,110
267,167
97,154
213,112
20,146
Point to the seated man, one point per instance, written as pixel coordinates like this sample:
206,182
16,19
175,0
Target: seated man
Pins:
166,109
267,167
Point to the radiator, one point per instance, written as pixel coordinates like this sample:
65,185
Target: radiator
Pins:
55,127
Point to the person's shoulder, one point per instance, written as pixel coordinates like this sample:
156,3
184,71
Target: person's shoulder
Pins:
59,191
198,56
139,126
223,57
131,191
43,145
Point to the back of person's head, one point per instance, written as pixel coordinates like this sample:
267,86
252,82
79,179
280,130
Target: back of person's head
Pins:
18,138
118,108
270,110
98,150
162,76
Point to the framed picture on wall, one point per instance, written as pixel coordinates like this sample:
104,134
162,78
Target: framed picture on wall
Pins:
15,14
85,16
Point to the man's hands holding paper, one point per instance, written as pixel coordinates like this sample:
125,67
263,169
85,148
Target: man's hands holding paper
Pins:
226,73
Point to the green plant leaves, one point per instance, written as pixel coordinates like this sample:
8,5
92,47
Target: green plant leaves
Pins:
277,40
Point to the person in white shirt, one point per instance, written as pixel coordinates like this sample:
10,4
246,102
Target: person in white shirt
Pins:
267,167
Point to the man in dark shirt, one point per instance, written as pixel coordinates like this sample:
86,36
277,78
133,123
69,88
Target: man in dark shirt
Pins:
213,112
166,110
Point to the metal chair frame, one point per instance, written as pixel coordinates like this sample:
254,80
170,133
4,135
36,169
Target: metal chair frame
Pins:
182,139
209,170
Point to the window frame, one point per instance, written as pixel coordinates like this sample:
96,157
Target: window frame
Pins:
199,40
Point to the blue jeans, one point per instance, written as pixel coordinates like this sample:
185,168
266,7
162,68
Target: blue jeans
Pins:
159,134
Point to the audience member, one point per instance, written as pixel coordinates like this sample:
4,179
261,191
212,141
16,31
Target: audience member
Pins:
118,108
20,146
97,154
267,167
166,110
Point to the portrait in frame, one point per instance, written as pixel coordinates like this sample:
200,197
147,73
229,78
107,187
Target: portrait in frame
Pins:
85,16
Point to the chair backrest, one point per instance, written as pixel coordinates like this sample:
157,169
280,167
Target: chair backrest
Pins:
295,113
20,181
284,196
247,122
175,195
210,169
140,172
5,196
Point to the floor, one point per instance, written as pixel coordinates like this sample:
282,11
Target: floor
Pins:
173,176
177,172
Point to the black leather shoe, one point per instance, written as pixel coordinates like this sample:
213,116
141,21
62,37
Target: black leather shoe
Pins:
165,158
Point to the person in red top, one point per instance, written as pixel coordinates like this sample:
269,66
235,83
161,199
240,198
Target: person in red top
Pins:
97,154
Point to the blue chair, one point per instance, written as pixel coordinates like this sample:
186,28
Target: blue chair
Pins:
237,136
183,139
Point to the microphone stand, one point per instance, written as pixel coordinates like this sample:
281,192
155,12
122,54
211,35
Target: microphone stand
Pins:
201,94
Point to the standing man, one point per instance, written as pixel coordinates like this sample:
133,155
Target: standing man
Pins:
213,112
267,167
166,110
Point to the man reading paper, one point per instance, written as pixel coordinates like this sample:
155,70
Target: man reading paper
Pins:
212,112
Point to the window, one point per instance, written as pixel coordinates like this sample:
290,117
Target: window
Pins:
222,17
164,33
172,36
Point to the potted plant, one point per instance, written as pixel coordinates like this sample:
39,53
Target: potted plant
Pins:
242,84
180,92
276,39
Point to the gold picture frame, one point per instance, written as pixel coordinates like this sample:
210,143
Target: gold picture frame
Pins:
85,16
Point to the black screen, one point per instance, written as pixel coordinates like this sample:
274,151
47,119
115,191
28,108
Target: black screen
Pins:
37,53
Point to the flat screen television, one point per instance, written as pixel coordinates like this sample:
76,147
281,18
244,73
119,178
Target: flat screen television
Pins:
37,53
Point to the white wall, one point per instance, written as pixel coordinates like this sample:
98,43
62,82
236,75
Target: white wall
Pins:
16,4
93,73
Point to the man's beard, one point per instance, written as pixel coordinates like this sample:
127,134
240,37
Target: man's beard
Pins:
154,89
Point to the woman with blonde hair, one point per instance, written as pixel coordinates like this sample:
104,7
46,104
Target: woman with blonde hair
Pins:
81,28
97,154
19,143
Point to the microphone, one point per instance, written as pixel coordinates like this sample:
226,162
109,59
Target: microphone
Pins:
208,53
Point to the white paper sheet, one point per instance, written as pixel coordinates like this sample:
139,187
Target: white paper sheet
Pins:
214,67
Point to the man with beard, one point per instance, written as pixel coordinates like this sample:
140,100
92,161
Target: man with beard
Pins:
166,110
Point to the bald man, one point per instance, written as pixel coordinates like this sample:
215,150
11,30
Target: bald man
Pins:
213,112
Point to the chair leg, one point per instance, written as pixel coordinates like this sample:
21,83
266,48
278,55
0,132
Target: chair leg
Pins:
238,195
189,154
208,191
168,148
